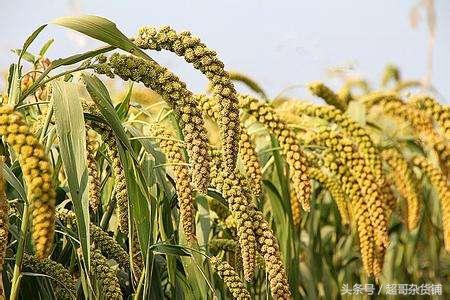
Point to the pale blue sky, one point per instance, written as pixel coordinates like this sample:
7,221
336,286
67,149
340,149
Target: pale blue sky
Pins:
278,43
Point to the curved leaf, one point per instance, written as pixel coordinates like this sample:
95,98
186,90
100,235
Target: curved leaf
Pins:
100,29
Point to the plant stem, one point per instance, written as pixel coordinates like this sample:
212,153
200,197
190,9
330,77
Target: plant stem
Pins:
140,285
20,249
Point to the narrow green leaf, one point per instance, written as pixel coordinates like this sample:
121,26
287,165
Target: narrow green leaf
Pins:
170,249
73,59
45,47
72,136
30,39
157,155
138,198
14,182
100,29
10,76
204,222
25,55
14,84
99,93
124,106
280,168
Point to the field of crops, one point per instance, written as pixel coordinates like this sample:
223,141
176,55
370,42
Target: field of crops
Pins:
119,182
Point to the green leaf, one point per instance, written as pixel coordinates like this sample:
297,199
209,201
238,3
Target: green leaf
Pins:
157,155
280,168
204,222
14,84
124,106
10,76
99,93
170,249
138,199
69,118
30,39
25,55
100,29
45,47
73,59
14,182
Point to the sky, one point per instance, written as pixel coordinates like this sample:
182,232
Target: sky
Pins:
283,45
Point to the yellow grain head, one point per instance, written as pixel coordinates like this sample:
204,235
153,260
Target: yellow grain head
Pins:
63,283
443,152
440,113
120,187
230,278
439,182
230,185
239,212
365,234
295,158
105,276
295,207
349,128
94,176
186,198
320,90
349,156
405,184
358,209
270,250
175,93
37,173
391,74
206,60
251,164
109,247
247,151
333,186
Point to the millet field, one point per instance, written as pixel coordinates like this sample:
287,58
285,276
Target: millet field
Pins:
119,182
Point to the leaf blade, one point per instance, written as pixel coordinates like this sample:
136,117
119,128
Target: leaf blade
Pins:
71,132
100,29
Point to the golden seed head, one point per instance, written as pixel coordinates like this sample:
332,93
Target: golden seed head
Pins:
405,184
320,90
175,93
106,276
207,62
440,113
109,247
439,182
120,187
333,186
94,176
231,186
295,158
63,283
376,201
171,148
37,174
230,278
